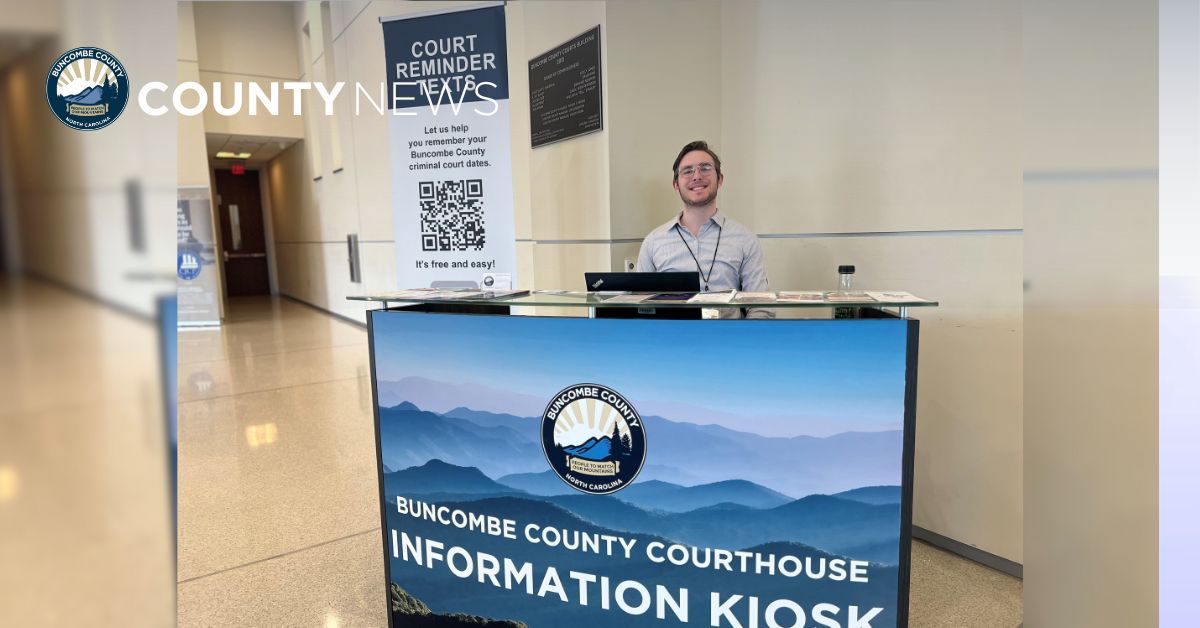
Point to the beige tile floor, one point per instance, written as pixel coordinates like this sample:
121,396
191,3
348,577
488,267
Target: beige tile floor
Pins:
279,521
85,525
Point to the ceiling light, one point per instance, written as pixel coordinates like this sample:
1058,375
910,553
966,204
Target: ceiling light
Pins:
224,154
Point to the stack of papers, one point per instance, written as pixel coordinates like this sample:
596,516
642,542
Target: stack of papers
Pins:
754,297
455,294
435,294
628,298
712,297
672,296
416,293
896,297
497,294
847,297
801,297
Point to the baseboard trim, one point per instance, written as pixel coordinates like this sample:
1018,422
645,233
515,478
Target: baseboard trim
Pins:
987,559
341,317
88,295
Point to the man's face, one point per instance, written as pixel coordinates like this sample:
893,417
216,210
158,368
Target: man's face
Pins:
697,187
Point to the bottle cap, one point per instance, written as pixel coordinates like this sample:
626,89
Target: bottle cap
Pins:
846,270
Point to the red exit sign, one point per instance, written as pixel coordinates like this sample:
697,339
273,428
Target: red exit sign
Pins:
238,169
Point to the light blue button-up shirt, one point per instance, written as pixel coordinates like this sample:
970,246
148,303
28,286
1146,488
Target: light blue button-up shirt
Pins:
736,262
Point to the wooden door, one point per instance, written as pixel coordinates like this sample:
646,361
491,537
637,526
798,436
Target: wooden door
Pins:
243,234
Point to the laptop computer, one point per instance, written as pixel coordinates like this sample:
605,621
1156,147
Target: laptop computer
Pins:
645,282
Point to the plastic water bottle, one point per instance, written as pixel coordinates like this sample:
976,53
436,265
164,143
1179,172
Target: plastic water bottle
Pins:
845,278
845,284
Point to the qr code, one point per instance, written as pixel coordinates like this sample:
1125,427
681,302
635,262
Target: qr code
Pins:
451,215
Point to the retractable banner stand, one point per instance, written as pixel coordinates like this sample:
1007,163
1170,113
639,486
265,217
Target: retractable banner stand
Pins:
571,472
450,148
196,260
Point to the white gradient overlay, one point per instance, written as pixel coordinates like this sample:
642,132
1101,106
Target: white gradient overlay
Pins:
1179,309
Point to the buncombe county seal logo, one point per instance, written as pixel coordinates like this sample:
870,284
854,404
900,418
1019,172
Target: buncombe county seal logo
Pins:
593,438
87,88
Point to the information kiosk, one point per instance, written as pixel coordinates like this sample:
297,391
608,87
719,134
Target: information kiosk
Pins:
551,471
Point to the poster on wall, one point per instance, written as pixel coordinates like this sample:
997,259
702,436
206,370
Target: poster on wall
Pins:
195,261
564,90
761,478
451,165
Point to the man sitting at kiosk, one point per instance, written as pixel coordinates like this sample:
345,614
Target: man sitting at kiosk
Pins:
725,252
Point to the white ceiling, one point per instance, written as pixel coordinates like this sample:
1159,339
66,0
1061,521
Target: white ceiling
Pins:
261,149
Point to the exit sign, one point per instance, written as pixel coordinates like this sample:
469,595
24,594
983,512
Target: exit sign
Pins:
238,169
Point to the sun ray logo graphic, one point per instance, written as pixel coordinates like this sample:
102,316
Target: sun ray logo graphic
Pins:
87,88
593,438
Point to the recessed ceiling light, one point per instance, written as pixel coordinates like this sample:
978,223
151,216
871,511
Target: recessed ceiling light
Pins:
224,154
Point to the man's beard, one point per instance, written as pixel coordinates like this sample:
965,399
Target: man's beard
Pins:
712,196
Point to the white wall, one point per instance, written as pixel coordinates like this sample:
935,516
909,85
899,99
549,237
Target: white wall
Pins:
192,163
247,42
888,136
313,218
569,182
22,18
665,90
1091,313
192,168
69,195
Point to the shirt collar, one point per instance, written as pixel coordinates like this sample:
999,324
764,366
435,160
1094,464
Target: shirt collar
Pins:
717,219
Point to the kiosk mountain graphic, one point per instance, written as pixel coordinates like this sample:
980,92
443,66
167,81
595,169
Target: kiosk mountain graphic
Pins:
409,611
502,444
714,515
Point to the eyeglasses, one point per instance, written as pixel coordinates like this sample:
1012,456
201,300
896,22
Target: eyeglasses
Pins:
688,171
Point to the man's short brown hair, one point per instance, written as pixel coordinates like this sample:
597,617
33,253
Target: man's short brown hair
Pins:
691,146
